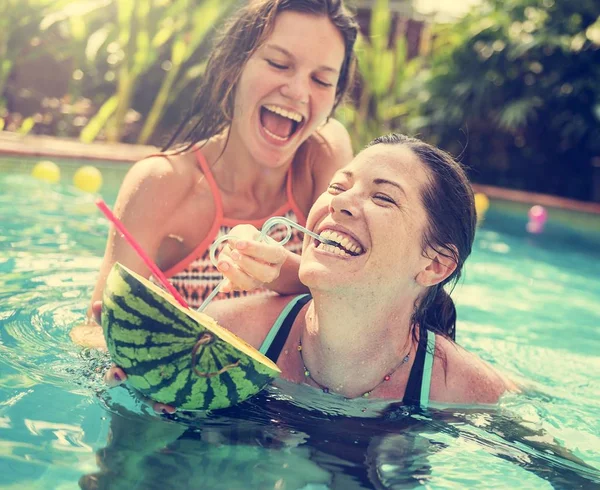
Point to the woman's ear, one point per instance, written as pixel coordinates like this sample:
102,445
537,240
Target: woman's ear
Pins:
437,268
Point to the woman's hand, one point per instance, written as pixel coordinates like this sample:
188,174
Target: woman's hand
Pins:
116,376
90,334
247,263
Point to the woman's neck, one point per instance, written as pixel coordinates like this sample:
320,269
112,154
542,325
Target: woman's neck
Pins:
238,173
350,349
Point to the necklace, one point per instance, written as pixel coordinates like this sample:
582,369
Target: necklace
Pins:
325,389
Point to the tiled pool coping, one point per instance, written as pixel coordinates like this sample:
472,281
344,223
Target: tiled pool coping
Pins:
49,147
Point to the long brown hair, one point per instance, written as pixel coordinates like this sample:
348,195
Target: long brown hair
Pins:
450,205
212,110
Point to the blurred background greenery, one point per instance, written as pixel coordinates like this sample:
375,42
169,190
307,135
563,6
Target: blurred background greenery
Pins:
511,87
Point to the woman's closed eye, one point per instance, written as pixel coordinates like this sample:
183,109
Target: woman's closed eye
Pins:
385,198
322,82
279,66
335,188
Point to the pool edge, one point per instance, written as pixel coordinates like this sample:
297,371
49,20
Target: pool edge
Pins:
47,147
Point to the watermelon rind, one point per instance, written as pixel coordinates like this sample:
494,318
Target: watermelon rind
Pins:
174,355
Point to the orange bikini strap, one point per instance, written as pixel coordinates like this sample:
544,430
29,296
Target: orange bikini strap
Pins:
212,183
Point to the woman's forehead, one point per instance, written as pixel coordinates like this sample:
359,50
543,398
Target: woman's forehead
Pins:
303,33
394,159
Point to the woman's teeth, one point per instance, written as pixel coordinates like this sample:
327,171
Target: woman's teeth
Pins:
279,123
332,249
294,116
347,246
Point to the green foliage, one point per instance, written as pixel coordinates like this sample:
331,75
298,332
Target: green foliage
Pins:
185,44
383,72
19,26
119,52
147,33
512,87
520,78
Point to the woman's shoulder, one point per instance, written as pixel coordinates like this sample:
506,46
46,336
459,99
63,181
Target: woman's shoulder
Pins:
153,175
250,317
462,377
176,168
331,141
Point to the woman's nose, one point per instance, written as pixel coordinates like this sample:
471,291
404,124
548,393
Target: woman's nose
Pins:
343,204
296,89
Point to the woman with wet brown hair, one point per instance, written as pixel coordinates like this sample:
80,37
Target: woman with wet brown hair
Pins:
259,141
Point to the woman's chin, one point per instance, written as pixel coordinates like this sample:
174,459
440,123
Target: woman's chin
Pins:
311,277
317,278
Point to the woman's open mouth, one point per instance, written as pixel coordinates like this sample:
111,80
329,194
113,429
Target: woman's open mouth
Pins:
345,245
279,123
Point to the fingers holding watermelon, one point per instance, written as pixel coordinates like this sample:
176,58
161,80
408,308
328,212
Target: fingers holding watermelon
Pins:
97,311
115,376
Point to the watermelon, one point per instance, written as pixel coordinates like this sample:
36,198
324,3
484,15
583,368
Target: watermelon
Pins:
175,355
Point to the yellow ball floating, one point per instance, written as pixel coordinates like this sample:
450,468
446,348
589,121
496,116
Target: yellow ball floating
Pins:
88,179
482,204
47,171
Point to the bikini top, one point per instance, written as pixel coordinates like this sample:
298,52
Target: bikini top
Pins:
419,381
195,276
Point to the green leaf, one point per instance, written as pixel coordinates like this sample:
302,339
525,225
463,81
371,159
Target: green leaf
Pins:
5,67
178,52
379,29
516,113
61,11
191,74
384,72
96,40
162,36
78,28
26,126
95,125
204,19
593,32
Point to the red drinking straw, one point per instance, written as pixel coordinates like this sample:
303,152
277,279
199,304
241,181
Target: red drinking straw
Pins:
136,246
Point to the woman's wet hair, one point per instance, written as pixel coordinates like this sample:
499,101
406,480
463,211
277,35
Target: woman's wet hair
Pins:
246,31
450,230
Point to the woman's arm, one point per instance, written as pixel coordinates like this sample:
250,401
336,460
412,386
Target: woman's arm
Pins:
148,198
462,378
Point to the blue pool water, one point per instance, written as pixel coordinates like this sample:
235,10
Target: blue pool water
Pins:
528,304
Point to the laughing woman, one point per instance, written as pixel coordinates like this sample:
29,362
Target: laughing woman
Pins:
259,142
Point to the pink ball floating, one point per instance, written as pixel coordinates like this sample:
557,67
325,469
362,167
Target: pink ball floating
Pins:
537,219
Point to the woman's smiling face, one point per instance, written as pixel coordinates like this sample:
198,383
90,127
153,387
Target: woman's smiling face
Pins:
288,87
373,207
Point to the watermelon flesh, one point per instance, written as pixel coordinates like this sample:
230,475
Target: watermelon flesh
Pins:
173,355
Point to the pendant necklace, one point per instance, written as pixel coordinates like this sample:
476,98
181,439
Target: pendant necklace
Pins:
325,389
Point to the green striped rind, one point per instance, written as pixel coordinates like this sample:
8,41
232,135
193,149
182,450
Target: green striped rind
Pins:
152,340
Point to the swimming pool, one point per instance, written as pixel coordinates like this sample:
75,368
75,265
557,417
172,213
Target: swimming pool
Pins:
528,304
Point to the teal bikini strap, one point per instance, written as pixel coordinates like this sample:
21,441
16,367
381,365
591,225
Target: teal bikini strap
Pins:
427,370
277,325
